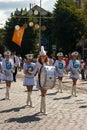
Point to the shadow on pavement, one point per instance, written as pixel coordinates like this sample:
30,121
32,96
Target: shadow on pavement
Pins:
25,119
1,88
85,106
65,98
12,109
52,93
2,99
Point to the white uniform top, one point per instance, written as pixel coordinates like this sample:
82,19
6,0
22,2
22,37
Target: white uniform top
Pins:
74,67
7,66
29,67
7,69
60,67
29,78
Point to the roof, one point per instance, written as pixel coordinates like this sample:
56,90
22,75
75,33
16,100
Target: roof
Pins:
39,9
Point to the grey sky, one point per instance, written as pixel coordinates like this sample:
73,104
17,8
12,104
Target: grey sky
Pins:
9,6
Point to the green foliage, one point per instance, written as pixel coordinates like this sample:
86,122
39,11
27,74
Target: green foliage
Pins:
2,32
69,25
48,33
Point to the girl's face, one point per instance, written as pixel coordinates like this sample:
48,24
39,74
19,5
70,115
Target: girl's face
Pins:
74,57
60,57
29,61
7,57
43,57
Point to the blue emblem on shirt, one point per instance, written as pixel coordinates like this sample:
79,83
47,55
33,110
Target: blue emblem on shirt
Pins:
60,65
30,67
8,65
75,64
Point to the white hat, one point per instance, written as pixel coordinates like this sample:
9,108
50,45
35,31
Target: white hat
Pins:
82,60
7,53
29,56
60,54
42,52
75,53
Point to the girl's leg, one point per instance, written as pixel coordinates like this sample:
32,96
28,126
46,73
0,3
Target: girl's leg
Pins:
74,86
8,85
43,101
29,92
60,84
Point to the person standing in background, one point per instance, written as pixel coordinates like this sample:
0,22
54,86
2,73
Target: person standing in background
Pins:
82,65
85,67
16,64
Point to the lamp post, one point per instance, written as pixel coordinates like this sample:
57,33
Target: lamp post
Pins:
40,28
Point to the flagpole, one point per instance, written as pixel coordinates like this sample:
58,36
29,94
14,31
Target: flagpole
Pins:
40,27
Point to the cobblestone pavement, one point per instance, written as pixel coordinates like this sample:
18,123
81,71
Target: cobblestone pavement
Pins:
64,112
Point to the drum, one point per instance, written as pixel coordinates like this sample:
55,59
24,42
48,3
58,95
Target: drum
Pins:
47,77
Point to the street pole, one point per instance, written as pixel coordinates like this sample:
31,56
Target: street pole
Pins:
83,47
40,28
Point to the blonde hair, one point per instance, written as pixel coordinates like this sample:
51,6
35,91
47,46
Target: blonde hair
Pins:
46,59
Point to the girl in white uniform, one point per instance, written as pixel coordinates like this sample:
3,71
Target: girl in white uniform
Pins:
7,69
60,68
29,80
42,60
74,68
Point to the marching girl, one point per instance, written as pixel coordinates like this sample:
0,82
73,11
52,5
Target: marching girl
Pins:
74,67
29,80
42,61
60,68
7,69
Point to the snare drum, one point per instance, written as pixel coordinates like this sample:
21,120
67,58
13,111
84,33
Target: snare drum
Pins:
47,77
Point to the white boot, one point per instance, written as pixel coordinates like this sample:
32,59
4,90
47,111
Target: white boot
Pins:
44,106
72,90
7,93
41,107
75,90
60,85
27,102
29,99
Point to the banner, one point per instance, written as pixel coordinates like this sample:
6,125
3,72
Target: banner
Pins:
18,35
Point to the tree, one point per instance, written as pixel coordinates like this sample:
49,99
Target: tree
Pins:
2,46
29,44
48,32
69,25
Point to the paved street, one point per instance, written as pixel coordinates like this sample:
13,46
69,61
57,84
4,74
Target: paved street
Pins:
64,112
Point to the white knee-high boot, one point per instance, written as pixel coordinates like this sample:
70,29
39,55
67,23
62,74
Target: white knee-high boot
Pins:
41,105
75,90
72,90
44,106
60,85
27,102
7,93
29,99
